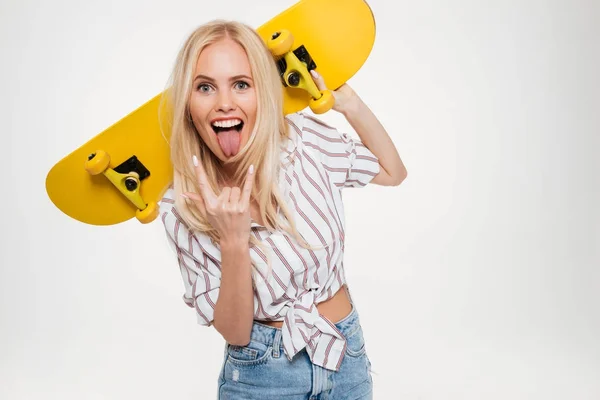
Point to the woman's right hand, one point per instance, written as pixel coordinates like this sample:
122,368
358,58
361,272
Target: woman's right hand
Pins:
228,213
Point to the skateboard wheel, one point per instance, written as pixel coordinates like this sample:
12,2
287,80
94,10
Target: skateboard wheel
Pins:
323,104
280,43
97,162
148,214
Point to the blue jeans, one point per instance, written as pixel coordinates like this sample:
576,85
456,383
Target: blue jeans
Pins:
261,370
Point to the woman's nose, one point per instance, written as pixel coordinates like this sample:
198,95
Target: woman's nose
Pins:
225,102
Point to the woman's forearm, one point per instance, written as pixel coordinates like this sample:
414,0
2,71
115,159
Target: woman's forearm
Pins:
234,310
375,137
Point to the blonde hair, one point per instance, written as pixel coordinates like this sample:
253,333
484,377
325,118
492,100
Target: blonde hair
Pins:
264,144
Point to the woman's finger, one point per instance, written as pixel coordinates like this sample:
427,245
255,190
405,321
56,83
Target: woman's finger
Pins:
205,190
247,190
319,81
223,199
234,197
197,199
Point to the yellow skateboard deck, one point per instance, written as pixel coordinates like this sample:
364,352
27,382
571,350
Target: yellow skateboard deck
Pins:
123,172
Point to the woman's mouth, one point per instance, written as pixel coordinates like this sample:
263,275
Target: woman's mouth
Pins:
228,134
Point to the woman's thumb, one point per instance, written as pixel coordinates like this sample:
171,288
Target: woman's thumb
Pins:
197,199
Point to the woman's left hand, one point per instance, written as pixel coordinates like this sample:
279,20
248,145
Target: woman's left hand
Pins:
345,98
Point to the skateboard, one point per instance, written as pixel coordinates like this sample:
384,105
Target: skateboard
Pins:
124,171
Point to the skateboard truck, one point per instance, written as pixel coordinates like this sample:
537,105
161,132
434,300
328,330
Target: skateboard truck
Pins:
126,178
294,67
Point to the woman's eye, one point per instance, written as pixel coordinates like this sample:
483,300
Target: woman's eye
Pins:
203,87
241,85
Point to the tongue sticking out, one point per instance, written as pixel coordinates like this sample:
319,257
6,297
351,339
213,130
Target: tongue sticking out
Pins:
230,141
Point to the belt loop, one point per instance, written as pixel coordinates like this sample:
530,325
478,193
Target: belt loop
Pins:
276,343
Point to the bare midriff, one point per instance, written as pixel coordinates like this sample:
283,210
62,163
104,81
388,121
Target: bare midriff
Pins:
334,309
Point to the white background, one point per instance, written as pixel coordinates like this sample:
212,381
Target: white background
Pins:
477,278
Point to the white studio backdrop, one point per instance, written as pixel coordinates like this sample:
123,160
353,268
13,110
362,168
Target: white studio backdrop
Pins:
477,278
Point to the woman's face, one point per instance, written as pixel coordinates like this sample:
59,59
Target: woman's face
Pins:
223,99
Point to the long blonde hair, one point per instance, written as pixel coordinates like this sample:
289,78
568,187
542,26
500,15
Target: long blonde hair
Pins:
262,149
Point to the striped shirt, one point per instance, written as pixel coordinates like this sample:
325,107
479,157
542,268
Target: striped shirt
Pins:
325,162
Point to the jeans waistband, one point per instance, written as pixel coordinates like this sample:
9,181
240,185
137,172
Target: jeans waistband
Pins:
271,336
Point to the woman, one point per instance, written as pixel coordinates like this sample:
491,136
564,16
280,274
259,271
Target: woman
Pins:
255,217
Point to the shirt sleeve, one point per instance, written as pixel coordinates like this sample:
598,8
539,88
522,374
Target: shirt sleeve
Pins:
199,271
348,161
